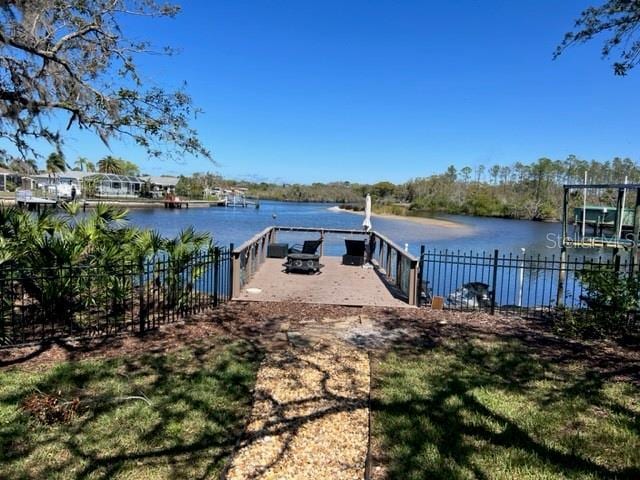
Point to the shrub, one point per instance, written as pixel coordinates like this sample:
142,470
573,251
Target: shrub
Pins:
67,267
612,298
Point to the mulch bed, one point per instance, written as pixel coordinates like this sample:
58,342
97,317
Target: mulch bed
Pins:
310,415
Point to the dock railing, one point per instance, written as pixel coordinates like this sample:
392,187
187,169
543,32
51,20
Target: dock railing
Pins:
398,268
23,195
247,258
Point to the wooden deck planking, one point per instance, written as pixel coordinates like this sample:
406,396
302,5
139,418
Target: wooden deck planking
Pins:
337,285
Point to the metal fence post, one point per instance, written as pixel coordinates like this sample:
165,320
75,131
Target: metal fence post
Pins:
494,282
142,309
216,269
232,272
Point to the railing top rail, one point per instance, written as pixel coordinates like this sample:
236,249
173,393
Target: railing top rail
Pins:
395,246
343,231
346,231
253,240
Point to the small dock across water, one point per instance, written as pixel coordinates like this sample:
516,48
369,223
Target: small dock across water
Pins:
171,201
25,199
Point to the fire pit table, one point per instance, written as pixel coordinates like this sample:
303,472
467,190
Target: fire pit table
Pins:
302,263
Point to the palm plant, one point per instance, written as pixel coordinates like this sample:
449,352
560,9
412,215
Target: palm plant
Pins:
81,163
111,164
56,163
185,261
66,268
65,263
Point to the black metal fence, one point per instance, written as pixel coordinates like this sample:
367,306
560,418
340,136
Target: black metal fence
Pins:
78,300
509,283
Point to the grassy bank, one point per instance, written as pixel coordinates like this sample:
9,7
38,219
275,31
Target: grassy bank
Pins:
148,416
490,408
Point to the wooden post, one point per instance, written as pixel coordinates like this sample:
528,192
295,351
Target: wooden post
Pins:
388,262
562,272
234,274
636,231
420,274
565,216
413,277
562,276
616,260
262,247
619,214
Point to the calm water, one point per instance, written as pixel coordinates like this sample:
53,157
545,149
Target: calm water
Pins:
239,224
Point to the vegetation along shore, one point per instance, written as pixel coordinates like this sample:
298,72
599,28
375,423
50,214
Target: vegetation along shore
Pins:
521,191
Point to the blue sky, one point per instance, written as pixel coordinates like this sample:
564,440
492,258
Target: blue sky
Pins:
383,90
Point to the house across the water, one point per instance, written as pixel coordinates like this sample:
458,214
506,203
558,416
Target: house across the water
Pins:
160,185
60,185
7,179
104,185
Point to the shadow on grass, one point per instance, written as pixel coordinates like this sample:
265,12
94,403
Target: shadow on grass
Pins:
303,389
492,408
174,415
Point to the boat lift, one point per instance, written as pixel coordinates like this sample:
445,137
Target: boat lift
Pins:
598,226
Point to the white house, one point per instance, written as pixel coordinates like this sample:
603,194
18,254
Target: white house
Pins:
61,185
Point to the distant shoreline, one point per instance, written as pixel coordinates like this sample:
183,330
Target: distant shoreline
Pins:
129,203
433,222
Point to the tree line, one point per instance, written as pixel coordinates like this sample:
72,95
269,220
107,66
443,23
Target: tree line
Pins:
524,191
56,163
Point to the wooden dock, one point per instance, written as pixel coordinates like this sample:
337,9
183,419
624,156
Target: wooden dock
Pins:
337,284
175,203
25,199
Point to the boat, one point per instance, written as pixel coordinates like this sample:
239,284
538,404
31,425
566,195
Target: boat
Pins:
471,295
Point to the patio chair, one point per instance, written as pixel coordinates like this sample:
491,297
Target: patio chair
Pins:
304,258
309,247
355,252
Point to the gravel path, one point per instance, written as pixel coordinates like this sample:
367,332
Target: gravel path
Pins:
310,415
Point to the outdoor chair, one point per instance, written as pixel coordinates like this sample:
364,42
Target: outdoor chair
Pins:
355,252
304,258
309,247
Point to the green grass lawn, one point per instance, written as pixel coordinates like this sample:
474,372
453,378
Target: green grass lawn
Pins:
494,409
198,400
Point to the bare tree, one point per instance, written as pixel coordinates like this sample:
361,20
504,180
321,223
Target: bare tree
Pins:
620,20
72,60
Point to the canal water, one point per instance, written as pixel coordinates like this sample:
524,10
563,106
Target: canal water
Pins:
235,225
529,284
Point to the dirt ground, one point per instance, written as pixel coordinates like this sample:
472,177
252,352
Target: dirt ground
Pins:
271,326
302,334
